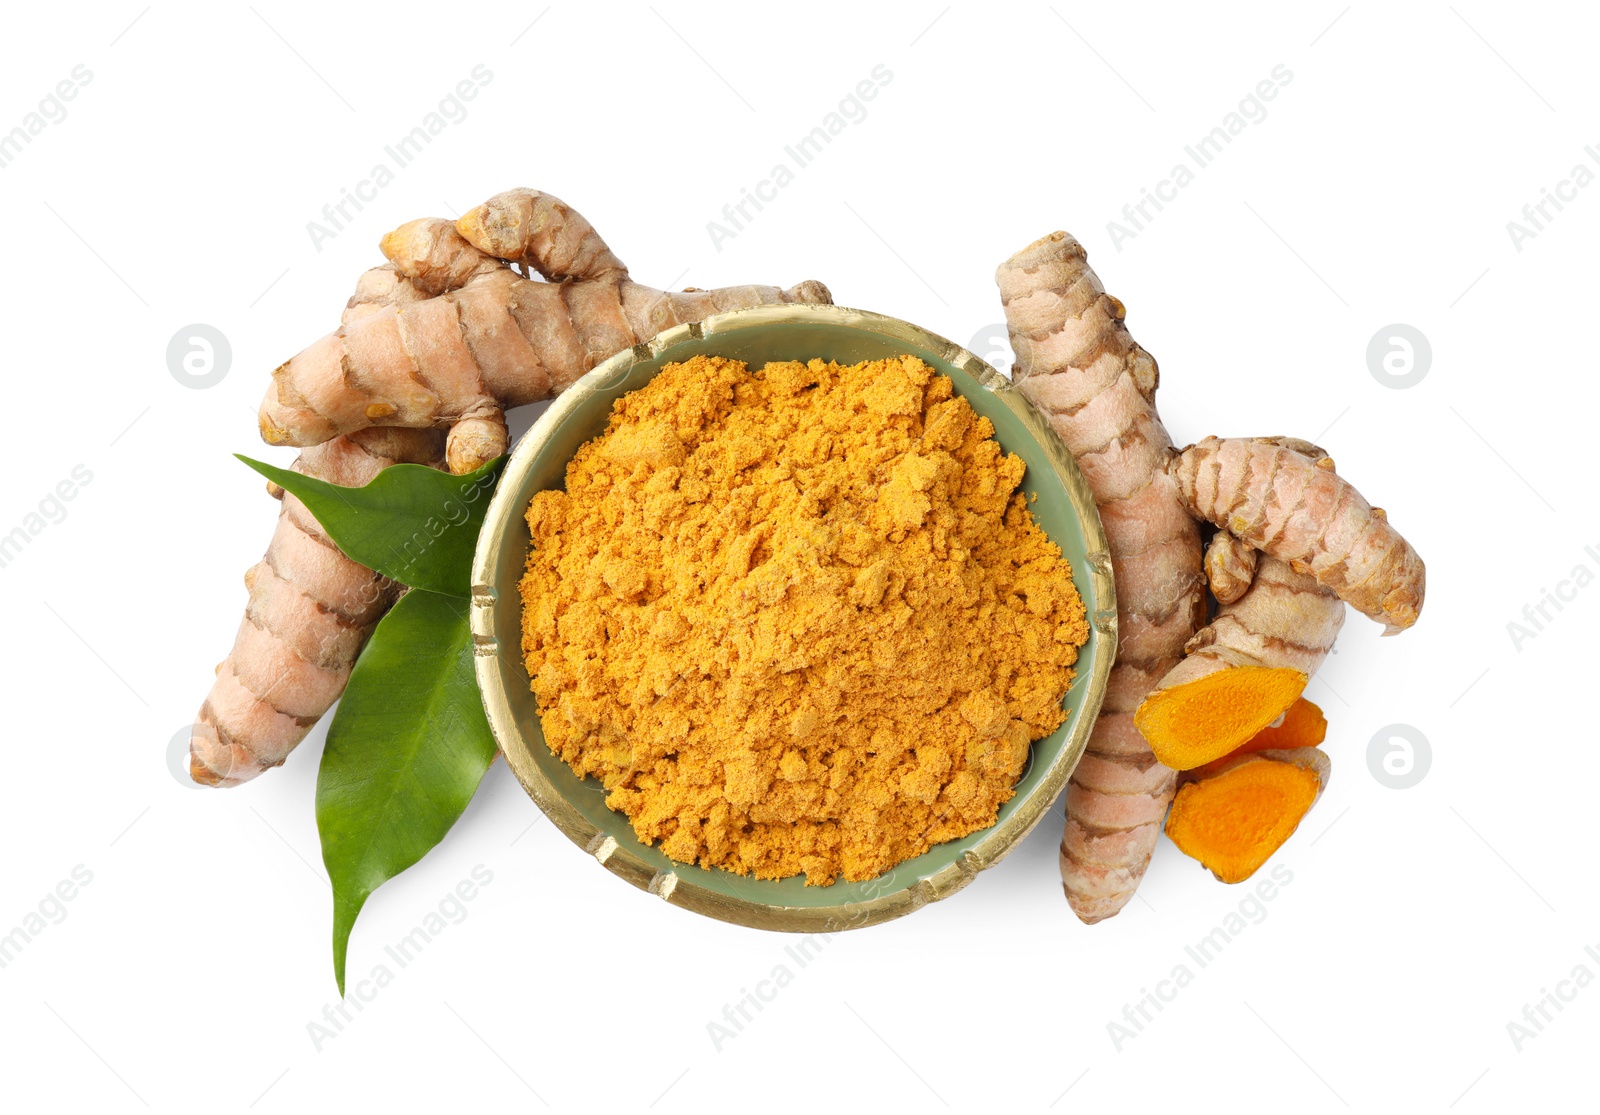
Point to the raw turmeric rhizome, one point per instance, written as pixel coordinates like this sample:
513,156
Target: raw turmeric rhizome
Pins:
797,619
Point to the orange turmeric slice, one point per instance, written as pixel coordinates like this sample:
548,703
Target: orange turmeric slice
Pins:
1204,719
1234,820
1302,726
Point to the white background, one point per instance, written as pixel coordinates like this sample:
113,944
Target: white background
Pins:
1376,190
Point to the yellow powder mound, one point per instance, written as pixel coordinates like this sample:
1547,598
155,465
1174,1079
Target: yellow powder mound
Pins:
797,620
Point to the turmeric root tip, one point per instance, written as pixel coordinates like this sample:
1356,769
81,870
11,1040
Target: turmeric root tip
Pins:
1234,821
1204,719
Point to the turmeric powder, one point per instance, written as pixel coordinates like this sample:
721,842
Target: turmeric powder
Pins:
797,620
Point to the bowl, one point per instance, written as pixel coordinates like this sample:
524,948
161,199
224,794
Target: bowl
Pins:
1063,508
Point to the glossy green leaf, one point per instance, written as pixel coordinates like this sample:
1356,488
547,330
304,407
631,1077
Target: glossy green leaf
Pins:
405,753
412,523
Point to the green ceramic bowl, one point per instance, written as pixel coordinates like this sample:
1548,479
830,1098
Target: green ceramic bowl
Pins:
1063,508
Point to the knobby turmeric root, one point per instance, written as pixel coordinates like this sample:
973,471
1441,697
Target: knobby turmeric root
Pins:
1321,545
465,337
1233,818
1230,566
1078,364
310,612
1282,497
434,347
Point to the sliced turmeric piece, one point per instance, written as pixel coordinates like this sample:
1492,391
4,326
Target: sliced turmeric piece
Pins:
1204,719
1233,821
1302,726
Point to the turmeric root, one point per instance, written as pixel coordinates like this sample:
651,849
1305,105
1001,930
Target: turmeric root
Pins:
444,337
1230,566
1244,669
310,612
1280,496
1078,364
1283,498
1234,818
458,359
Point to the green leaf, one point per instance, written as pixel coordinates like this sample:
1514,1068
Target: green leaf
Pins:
411,523
405,753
